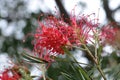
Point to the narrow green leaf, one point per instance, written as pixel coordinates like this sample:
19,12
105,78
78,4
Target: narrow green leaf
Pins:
66,75
33,58
84,74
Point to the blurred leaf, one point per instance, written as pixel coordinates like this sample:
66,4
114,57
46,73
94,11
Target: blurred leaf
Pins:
114,72
25,75
67,70
32,59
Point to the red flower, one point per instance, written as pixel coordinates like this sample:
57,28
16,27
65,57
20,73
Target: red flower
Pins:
68,31
55,33
50,38
82,28
108,33
9,75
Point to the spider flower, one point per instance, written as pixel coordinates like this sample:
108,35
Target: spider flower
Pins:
83,26
54,33
108,33
52,39
9,75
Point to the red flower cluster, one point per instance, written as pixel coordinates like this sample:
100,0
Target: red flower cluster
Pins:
82,28
54,33
9,75
108,33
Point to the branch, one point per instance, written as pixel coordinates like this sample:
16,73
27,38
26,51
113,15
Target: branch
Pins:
116,9
63,12
108,11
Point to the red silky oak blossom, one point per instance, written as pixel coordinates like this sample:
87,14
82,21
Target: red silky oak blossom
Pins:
54,33
78,32
9,75
50,38
70,34
82,27
108,33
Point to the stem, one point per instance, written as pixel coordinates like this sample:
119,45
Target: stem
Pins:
101,72
43,71
96,54
95,59
96,36
42,67
90,54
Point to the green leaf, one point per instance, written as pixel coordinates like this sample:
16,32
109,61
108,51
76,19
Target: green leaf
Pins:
84,74
66,76
33,58
67,69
